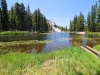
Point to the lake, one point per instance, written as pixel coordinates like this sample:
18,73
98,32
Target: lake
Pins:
58,40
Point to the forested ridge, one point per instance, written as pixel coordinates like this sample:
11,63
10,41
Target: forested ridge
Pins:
20,18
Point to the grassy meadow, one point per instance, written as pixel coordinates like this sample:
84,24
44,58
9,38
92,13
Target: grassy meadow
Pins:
12,33
67,61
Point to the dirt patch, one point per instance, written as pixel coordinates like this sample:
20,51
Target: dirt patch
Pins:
82,33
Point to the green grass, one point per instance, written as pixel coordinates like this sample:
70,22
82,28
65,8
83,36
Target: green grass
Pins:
68,61
97,47
12,33
97,33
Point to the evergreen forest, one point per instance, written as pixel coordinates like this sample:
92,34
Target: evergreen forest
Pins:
20,18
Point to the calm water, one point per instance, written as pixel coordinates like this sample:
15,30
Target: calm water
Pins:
59,40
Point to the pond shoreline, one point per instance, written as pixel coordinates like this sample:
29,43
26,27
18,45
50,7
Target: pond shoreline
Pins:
20,32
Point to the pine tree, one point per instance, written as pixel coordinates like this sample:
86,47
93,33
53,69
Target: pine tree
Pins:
98,21
81,22
95,15
11,16
88,21
9,23
0,20
34,20
17,15
92,21
66,27
4,13
26,24
22,17
74,23
71,26
78,24
85,25
38,19
29,18
19,18
42,22
45,24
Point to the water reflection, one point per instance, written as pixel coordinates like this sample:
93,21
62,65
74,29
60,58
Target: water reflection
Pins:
9,38
38,47
93,41
59,40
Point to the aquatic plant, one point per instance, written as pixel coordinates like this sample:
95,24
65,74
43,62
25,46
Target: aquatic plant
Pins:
22,46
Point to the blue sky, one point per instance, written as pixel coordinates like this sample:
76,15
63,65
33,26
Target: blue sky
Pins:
58,11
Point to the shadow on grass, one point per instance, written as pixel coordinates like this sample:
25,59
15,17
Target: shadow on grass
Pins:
79,73
98,72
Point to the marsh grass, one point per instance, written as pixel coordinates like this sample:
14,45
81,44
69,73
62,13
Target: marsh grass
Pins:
67,61
22,46
97,47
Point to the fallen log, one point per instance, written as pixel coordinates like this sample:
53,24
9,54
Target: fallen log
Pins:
85,49
93,50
